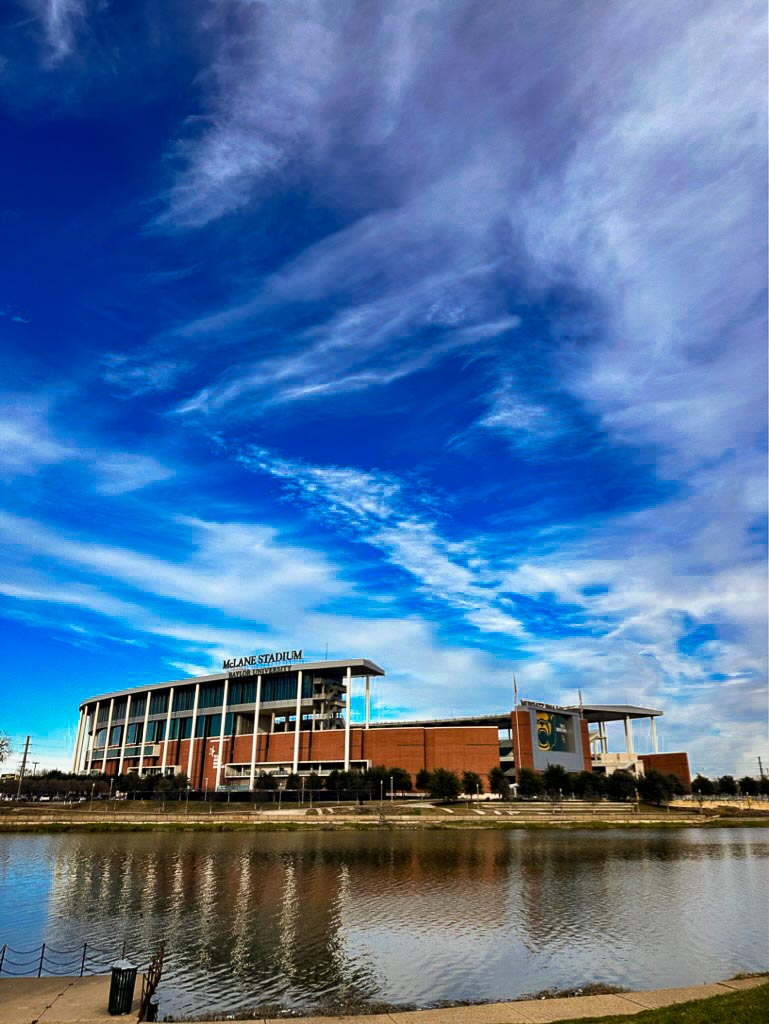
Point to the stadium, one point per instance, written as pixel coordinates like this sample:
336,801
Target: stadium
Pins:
279,715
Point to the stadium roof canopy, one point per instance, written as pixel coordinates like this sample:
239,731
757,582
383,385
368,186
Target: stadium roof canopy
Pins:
614,712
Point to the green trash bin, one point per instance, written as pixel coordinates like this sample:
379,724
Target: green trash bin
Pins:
121,989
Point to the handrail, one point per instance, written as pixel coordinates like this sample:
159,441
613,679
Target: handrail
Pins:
45,960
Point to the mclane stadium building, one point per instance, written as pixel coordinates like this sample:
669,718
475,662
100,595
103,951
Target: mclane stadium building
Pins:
278,714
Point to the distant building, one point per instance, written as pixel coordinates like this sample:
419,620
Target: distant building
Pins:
276,713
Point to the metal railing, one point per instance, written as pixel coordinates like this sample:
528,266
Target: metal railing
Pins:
48,961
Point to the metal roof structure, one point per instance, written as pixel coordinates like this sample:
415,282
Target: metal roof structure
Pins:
613,712
328,669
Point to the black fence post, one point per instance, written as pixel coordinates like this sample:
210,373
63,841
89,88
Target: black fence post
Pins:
42,954
2,956
82,962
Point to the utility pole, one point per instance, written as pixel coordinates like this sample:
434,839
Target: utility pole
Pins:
36,763
23,766
760,767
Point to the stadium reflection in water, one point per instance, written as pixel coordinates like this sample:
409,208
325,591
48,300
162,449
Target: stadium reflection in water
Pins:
303,919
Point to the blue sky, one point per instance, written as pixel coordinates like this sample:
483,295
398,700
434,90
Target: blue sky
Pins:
432,331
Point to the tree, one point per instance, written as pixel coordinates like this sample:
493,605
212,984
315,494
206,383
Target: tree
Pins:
423,779
677,787
727,786
763,785
498,783
401,780
313,781
443,785
530,783
702,786
471,783
588,785
654,787
557,780
292,781
265,780
748,786
621,785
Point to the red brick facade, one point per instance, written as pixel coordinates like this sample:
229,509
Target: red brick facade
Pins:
459,749
669,764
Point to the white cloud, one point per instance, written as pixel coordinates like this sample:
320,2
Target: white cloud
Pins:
122,473
26,440
61,20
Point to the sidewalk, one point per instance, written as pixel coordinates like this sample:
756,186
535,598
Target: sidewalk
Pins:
84,1001
60,1000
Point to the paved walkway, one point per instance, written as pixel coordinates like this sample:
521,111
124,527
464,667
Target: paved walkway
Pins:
84,1001
60,1000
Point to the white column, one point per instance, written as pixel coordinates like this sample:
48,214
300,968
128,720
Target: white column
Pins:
255,738
298,719
192,733
368,701
628,736
221,734
78,742
348,711
92,742
109,730
655,748
125,735
167,732
144,730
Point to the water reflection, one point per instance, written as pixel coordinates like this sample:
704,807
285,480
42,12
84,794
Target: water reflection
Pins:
415,916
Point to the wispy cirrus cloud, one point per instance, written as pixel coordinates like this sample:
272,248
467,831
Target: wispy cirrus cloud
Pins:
27,441
61,20
608,611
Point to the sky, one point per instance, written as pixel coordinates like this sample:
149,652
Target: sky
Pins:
427,331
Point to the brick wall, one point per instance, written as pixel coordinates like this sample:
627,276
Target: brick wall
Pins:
669,764
474,748
585,733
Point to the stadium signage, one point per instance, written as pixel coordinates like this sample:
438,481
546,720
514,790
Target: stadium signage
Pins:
544,707
259,660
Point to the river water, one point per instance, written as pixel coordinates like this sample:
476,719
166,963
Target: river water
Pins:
320,918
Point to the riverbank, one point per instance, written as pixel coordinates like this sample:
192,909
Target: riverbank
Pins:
84,1001
222,819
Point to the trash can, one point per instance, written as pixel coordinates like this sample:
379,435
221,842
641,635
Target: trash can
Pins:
121,989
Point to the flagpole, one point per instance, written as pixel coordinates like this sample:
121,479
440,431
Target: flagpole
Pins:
517,732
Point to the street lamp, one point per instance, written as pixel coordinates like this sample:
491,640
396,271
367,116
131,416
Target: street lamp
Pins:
381,796
392,794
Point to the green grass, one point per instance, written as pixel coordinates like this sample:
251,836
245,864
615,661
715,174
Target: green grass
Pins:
749,1007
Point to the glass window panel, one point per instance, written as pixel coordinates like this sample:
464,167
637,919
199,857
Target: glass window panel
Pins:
159,704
